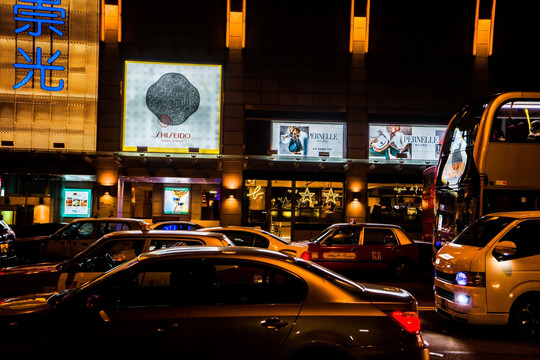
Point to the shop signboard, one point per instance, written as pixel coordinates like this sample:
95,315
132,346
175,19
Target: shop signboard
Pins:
176,200
406,142
49,74
308,139
172,107
77,203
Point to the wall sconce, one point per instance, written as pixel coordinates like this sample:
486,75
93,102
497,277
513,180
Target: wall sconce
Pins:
359,37
484,24
111,21
235,37
230,193
355,195
107,190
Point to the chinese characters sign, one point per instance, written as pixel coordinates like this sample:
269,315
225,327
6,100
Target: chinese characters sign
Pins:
172,107
49,74
32,15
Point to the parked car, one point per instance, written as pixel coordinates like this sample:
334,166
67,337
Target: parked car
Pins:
28,240
176,225
109,251
490,273
77,236
365,248
249,302
256,237
8,255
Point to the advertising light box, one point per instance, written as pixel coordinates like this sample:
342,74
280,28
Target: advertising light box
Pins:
77,203
308,139
176,200
414,142
172,107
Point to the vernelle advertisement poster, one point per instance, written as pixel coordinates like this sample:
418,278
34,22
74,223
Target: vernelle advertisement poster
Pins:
414,142
176,200
77,203
308,139
172,107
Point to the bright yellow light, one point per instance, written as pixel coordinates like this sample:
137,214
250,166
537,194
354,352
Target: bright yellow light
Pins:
359,37
235,37
111,22
483,32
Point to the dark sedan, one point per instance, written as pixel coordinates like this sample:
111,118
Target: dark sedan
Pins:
216,303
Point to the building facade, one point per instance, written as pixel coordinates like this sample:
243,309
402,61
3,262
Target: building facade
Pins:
239,112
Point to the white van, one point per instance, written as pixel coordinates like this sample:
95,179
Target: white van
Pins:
490,273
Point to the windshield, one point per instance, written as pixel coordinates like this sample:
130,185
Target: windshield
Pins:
324,234
275,237
481,232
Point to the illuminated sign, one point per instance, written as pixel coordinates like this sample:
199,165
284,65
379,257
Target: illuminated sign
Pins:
308,139
405,142
172,107
455,165
49,74
32,16
77,203
176,200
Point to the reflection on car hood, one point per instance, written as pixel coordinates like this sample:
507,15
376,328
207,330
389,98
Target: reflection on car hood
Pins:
24,304
453,258
30,269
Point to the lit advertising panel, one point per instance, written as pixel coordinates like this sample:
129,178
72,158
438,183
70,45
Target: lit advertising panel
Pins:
49,74
77,203
172,107
308,139
414,142
176,200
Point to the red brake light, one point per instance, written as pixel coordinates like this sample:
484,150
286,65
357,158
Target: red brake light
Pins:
408,320
306,256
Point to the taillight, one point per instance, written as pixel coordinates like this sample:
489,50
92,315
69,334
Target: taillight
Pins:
408,320
306,256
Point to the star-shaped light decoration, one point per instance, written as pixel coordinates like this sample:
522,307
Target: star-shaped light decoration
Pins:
284,201
306,196
331,196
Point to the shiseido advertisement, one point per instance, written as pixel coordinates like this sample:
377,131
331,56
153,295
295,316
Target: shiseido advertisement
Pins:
176,200
172,107
405,142
308,139
77,203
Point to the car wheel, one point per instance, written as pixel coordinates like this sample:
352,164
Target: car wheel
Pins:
402,269
525,317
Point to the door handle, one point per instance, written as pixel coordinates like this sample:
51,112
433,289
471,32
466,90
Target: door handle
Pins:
168,327
274,323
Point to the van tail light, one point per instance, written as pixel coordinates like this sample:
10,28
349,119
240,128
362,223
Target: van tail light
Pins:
408,320
306,255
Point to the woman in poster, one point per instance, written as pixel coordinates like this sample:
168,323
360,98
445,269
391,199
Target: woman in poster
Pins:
296,140
395,148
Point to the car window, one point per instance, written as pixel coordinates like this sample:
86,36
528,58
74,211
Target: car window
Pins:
343,236
111,254
261,242
239,238
481,232
526,236
379,236
164,244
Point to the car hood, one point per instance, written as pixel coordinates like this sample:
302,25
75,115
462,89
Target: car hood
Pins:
381,294
25,304
453,258
30,269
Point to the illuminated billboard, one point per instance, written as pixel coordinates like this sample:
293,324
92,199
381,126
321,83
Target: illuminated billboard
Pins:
176,200
77,203
308,139
172,107
413,142
49,74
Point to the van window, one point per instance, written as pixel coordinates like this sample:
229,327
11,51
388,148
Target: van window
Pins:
482,231
526,236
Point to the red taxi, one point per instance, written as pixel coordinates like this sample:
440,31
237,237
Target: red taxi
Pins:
365,248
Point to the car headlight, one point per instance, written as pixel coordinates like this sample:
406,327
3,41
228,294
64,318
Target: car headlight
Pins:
466,278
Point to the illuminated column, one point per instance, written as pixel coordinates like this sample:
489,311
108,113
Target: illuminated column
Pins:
231,193
483,28
111,21
235,37
359,38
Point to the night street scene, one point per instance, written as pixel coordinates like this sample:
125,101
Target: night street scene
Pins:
285,179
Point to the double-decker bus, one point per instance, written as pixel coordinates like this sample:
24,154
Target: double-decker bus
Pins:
489,161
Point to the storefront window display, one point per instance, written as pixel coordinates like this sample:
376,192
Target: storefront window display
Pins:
399,204
280,205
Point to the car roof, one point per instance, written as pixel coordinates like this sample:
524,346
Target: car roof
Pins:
366,224
187,251
101,219
232,227
517,214
161,234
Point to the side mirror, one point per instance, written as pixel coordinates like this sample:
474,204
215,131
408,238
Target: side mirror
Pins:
506,248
